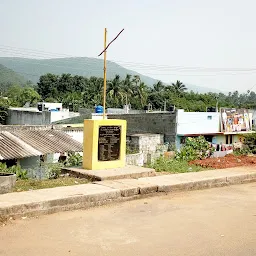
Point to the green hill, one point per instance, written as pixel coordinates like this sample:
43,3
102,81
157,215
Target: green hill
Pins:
9,77
32,69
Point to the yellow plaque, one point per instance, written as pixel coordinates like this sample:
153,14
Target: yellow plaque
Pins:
104,144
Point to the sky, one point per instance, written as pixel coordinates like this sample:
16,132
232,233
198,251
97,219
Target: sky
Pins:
201,42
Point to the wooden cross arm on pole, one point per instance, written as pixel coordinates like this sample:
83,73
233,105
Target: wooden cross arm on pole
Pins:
105,67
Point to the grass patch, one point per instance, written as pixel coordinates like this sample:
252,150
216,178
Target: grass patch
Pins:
25,185
175,166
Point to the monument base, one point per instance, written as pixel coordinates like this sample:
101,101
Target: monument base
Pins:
127,172
104,144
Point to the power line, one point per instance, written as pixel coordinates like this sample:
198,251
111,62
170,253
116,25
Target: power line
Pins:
143,67
43,54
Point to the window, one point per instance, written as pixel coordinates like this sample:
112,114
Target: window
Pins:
182,140
209,117
229,139
208,138
226,139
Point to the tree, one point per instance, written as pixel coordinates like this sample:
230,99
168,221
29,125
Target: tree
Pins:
4,105
29,95
48,86
136,80
179,87
65,83
142,92
115,92
158,87
19,96
127,88
13,95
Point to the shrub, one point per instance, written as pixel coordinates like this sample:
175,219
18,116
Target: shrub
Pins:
3,167
242,152
74,159
250,142
16,169
194,148
52,170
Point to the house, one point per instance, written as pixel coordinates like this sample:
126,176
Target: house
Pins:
222,129
28,146
45,113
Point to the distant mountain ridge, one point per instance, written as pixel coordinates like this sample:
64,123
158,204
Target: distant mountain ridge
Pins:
8,76
32,69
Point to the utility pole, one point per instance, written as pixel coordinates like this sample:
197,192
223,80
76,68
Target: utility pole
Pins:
105,68
105,75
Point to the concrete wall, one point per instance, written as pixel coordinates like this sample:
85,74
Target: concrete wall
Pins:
124,111
76,134
197,122
161,123
17,117
29,162
26,117
30,127
147,144
135,159
61,115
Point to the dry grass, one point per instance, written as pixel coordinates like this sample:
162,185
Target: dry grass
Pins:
25,185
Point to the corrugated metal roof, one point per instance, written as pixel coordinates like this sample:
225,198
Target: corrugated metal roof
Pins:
12,147
25,143
50,141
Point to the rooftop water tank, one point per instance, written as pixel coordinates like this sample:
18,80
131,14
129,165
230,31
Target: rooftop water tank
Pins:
99,109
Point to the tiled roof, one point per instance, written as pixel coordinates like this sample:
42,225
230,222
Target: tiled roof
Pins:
26,143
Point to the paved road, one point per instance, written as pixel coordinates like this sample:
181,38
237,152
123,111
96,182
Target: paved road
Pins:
220,221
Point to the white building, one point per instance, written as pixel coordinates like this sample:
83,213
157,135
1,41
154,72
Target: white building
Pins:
207,124
45,113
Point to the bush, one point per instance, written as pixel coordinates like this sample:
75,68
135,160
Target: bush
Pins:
250,142
16,169
194,148
52,170
74,159
242,152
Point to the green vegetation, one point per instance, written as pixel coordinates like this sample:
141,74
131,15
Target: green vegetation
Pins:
32,69
174,166
67,80
194,148
4,105
19,96
16,169
9,77
74,159
131,150
52,170
25,185
77,91
250,143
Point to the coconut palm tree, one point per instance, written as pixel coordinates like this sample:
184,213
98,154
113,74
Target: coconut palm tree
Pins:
136,80
179,87
115,92
127,88
142,93
158,87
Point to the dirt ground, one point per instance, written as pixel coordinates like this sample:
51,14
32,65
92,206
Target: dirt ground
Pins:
228,161
211,222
